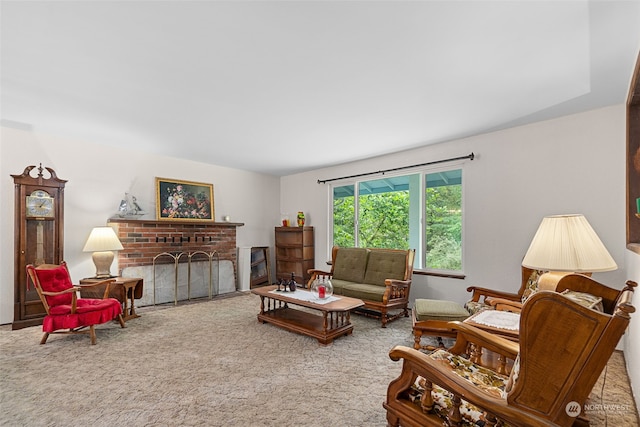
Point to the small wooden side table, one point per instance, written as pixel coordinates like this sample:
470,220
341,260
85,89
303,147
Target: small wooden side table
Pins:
124,289
502,323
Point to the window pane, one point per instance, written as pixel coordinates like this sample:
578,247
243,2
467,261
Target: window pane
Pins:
444,220
383,213
344,216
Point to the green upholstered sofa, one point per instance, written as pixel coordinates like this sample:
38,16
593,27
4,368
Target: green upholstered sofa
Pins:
379,277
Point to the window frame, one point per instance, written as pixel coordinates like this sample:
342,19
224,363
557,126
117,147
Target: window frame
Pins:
421,248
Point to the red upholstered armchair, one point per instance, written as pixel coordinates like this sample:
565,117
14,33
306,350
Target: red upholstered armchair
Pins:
66,313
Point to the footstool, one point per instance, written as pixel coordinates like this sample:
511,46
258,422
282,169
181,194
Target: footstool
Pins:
430,317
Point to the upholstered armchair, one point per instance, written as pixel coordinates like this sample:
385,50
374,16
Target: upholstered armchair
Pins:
66,313
563,349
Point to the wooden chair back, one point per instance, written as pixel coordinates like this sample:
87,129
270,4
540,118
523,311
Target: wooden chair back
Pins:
563,349
583,283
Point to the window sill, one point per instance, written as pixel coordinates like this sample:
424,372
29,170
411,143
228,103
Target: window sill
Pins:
433,273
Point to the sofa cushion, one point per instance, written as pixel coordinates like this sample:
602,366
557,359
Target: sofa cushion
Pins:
338,285
385,265
364,291
350,264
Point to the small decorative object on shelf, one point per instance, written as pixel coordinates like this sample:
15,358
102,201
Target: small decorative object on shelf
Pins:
300,219
322,287
129,207
285,220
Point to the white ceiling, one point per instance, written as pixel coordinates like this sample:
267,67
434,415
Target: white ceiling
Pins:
281,87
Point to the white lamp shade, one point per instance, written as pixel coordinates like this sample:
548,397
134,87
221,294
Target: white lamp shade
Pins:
567,243
102,239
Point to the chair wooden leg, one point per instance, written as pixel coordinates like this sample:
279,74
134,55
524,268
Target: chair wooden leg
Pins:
121,320
417,333
92,334
44,338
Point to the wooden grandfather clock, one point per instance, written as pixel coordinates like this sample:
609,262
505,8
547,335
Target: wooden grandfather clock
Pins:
39,238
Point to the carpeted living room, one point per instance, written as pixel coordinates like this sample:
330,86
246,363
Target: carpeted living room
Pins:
202,133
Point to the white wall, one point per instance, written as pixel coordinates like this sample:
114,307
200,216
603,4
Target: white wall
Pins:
98,177
574,164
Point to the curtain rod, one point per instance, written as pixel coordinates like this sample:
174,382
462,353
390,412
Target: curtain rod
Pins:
469,156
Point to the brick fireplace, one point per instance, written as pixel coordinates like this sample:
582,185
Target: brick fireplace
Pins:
144,240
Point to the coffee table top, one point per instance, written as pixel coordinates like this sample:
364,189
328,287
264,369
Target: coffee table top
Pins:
305,298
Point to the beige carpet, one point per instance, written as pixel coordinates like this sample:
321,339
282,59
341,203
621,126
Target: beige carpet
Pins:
212,364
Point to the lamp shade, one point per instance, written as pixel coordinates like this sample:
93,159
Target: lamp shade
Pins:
567,243
102,239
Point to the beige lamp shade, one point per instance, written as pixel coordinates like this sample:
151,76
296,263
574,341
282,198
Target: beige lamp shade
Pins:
567,243
102,242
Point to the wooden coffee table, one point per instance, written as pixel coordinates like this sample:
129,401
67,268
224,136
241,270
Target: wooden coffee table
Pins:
334,319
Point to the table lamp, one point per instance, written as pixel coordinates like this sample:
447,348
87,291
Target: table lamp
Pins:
567,243
102,242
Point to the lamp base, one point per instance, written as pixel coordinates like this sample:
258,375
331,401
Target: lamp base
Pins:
103,261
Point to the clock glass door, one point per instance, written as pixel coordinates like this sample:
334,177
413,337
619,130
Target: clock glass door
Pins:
39,249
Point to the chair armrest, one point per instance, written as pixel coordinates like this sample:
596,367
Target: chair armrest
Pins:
485,292
74,297
108,282
417,363
502,304
66,291
470,334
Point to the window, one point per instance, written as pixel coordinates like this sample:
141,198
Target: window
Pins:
443,225
420,210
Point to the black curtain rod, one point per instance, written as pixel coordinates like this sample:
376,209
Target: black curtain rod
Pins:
469,156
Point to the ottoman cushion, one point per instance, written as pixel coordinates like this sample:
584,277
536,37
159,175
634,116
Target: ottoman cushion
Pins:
433,309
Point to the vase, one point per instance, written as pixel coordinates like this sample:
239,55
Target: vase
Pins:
300,218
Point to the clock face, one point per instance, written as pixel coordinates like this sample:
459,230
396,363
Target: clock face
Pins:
40,205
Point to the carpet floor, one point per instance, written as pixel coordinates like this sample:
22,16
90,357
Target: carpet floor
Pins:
211,363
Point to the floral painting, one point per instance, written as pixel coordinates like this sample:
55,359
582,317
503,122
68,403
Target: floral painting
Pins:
184,200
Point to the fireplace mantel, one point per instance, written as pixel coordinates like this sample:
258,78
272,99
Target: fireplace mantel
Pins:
144,239
166,222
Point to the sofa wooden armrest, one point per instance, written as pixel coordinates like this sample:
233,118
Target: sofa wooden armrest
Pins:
314,274
396,289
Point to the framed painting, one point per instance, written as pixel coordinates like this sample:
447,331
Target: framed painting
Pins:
184,200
